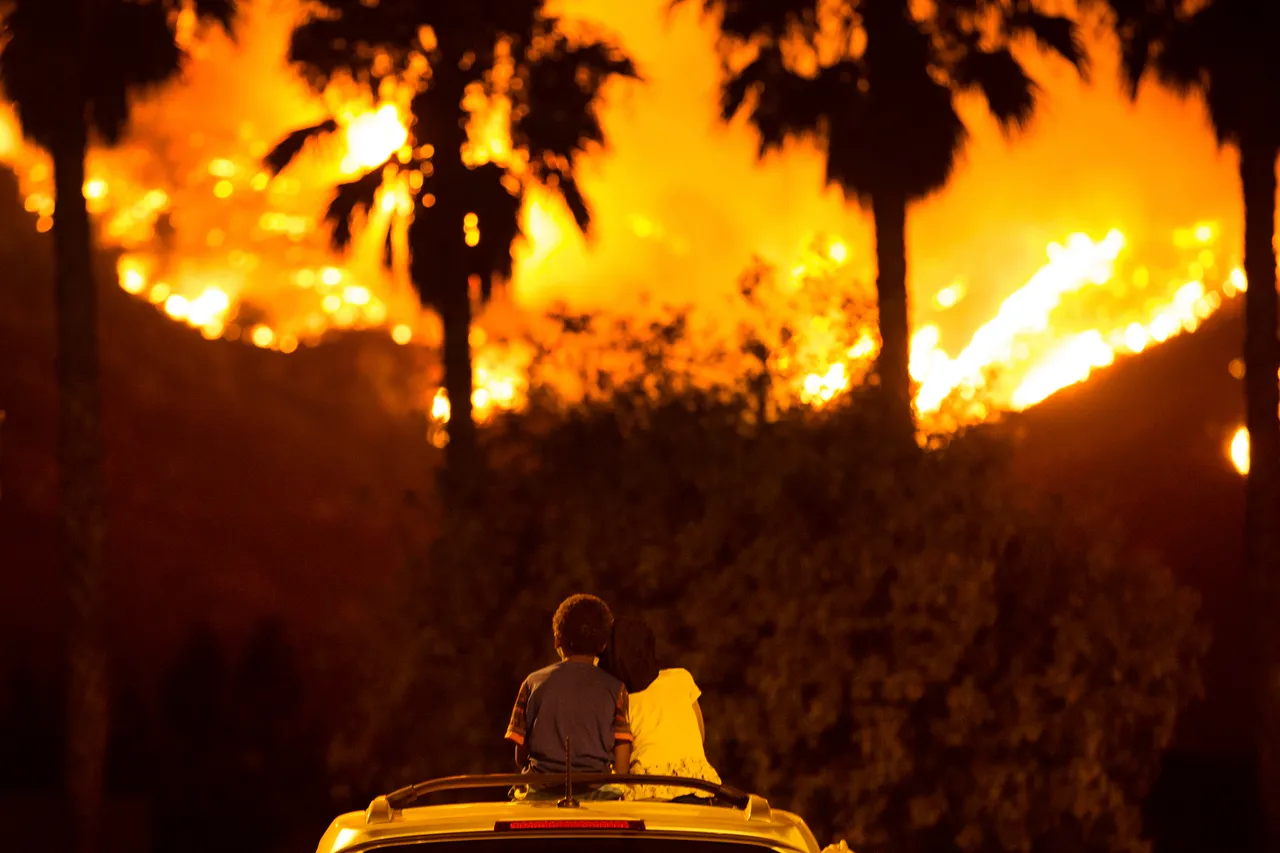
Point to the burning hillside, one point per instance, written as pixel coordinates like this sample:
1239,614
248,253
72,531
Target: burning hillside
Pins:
217,243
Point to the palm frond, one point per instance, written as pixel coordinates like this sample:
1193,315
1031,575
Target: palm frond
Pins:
1141,26
324,48
764,71
1181,63
33,50
783,103
557,104
1053,33
287,150
220,12
744,20
577,203
1228,52
133,48
1000,77
349,199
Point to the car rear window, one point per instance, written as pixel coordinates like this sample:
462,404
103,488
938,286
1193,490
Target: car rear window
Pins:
542,843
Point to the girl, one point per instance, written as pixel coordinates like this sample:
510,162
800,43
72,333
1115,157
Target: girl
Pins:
666,722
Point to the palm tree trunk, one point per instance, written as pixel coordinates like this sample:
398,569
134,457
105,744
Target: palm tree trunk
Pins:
445,115
455,315
1262,494
890,215
81,491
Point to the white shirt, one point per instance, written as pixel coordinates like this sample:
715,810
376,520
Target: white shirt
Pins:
663,723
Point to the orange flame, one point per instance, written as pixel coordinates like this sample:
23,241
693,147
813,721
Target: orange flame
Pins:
1238,450
214,242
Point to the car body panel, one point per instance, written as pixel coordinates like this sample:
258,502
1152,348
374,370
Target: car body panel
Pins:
772,828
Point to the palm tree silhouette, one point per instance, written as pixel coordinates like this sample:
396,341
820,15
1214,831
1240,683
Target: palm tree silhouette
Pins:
465,218
1227,52
876,87
70,68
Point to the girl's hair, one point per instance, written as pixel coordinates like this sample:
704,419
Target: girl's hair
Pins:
630,655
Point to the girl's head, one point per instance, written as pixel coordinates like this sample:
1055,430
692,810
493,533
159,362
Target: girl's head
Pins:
630,656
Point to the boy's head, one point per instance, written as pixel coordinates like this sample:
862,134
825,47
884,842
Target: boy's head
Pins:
581,625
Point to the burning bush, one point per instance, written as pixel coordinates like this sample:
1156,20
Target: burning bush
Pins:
906,649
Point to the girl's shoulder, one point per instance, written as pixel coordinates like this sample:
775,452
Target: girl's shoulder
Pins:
681,681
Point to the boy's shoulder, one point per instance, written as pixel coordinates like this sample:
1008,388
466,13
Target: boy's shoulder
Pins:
570,671
538,676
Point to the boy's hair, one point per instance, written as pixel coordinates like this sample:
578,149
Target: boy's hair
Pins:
631,657
581,625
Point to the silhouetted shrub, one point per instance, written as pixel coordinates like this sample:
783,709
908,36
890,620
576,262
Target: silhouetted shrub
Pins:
237,739
31,733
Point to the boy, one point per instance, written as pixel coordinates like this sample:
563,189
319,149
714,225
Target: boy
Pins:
573,699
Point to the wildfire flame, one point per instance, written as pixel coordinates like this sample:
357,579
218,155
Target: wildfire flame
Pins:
239,255
1239,450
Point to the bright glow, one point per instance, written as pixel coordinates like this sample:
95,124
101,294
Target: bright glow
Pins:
9,139
262,336
176,306
133,279
208,308
949,296
372,138
821,388
1069,364
1237,281
1136,337
440,407
1079,264
222,168
1239,450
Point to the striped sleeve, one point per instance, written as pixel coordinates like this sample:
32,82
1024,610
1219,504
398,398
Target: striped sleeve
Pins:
621,723
517,728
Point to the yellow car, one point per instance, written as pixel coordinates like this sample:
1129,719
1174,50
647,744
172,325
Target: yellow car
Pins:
568,821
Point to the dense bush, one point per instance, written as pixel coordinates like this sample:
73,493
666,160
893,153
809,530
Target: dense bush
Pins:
905,648
235,734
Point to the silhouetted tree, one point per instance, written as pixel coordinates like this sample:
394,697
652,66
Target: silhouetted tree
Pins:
70,67
511,48
1225,51
875,82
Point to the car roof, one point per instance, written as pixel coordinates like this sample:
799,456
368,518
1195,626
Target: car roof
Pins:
757,824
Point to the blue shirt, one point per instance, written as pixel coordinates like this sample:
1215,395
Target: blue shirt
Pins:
572,700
